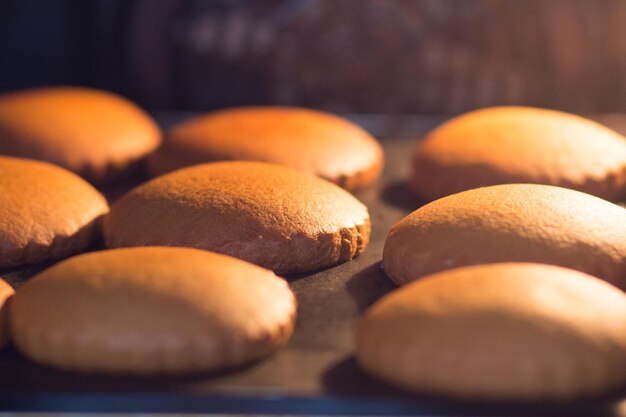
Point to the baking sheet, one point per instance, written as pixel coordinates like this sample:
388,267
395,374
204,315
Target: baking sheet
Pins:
316,373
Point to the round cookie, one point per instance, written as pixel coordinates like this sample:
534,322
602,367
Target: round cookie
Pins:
93,133
6,291
152,310
499,331
46,212
510,223
310,140
520,145
274,216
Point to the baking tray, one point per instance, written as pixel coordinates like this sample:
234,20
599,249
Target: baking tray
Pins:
315,374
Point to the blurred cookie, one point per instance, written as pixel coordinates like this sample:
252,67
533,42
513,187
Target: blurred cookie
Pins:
310,140
274,216
510,223
46,212
520,145
6,291
152,310
93,133
500,331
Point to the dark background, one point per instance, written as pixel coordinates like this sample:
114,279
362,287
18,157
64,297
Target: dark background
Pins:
366,56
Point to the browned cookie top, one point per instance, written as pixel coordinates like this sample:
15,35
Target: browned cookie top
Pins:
520,145
45,212
274,216
499,331
152,310
91,132
310,140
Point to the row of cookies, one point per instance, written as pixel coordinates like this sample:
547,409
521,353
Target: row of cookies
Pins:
277,217
101,137
180,220
498,308
285,219
510,291
158,309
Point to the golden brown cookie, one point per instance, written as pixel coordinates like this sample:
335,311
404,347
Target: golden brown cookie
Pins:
314,141
6,292
499,331
46,212
510,223
152,310
93,133
520,145
274,216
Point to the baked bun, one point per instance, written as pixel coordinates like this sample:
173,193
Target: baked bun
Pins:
310,140
151,310
93,133
277,217
520,145
6,292
510,223
46,212
500,331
